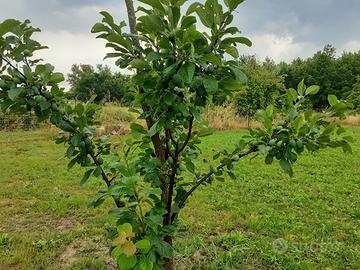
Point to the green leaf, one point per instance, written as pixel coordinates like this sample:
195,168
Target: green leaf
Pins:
332,100
269,159
140,64
301,88
155,4
75,140
97,202
151,24
115,38
70,151
126,228
211,84
206,16
136,128
7,26
312,90
164,249
233,4
154,129
292,94
99,27
65,126
128,248
234,40
238,74
143,244
57,77
145,263
174,16
126,262
188,21
286,166
212,58
232,51
86,177
97,171
14,93
346,147
205,132
187,72
193,8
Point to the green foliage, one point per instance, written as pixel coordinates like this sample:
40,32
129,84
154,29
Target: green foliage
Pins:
354,96
178,70
263,88
334,75
86,82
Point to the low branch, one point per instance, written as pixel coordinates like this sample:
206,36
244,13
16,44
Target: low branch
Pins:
103,174
191,122
168,215
207,176
168,150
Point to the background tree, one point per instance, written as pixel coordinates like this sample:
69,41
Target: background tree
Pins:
354,96
264,85
86,81
319,69
335,75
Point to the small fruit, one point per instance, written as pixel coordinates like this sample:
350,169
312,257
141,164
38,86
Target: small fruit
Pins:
82,145
299,144
293,143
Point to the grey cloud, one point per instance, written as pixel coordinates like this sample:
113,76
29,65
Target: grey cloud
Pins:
56,15
283,29
320,22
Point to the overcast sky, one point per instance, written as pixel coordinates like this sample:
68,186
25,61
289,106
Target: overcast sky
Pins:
281,29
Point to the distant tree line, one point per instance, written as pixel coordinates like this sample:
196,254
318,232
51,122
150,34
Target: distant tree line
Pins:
335,75
86,81
266,81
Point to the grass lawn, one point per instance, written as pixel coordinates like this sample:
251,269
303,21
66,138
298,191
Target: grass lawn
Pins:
263,220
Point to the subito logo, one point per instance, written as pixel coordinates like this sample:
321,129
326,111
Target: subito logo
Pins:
280,246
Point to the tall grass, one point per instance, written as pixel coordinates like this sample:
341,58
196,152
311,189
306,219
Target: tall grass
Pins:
115,119
351,120
226,118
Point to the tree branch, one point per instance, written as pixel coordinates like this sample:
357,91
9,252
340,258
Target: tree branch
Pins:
103,174
191,122
167,219
168,150
11,65
207,176
158,146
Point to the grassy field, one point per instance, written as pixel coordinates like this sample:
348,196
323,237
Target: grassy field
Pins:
263,220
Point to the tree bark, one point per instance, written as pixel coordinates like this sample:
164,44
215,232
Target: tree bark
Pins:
131,16
158,145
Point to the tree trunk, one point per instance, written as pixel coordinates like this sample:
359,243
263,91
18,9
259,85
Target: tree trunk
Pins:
169,263
159,149
131,16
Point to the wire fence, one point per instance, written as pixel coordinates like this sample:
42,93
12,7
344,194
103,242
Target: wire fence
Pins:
26,122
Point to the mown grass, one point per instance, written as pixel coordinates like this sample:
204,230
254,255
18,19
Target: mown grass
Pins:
263,220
